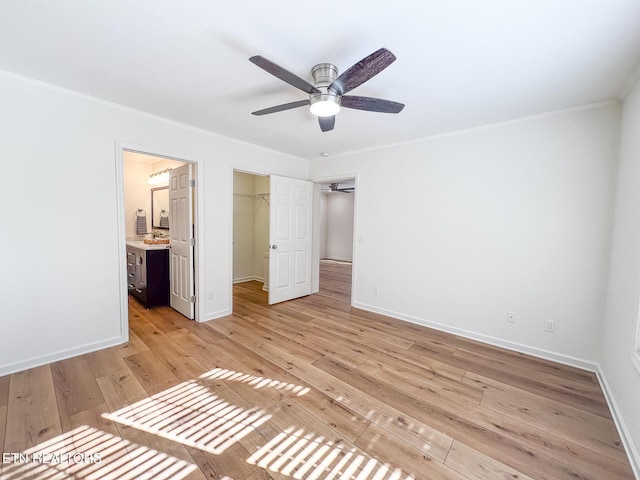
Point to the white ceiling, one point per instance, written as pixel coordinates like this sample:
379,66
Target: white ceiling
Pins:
461,63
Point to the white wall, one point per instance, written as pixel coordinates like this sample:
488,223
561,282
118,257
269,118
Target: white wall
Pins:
137,192
62,246
337,211
514,217
623,298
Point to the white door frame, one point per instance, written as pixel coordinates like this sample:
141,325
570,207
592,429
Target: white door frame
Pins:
316,225
120,147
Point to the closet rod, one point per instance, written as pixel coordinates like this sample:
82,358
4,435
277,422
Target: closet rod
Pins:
257,195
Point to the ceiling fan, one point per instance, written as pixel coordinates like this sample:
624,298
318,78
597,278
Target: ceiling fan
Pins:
335,187
327,94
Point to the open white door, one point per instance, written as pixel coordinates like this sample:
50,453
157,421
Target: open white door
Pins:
290,231
181,267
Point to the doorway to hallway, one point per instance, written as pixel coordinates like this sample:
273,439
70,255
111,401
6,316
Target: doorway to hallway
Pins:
337,220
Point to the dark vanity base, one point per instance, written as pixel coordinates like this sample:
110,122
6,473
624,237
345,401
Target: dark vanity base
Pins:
149,276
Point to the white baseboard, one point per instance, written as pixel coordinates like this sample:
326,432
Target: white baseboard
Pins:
338,259
60,355
215,315
623,431
248,279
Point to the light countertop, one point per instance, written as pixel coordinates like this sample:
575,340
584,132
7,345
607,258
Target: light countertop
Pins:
146,246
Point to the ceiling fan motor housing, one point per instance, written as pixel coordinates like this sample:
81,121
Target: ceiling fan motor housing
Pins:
323,75
326,103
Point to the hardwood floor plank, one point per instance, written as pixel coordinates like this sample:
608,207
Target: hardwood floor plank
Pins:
252,388
593,431
258,366
219,467
585,462
75,391
308,445
259,431
255,334
4,389
93,417
587,394
589,430
457,423
32,411
422,379
105,362
204,331
172,356
528,362
263,474
163,318
133,346
204,352
121,389
3,427
338,323
337,416
476,466
370,407
288,414
347,352
385,448
519,379
151,372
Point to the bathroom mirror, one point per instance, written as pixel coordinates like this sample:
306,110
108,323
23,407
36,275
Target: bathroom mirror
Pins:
160,208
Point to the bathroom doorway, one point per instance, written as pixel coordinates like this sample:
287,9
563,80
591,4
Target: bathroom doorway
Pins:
160,214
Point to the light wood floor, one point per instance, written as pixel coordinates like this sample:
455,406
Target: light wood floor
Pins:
307,389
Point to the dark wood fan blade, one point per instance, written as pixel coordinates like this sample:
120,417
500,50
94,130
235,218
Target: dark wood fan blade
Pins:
280,108
327,123
362,71
284,75
371,104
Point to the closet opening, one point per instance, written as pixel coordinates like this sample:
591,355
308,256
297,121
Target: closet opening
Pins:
251,201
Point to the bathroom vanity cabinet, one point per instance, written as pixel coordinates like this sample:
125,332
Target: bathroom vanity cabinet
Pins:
148,273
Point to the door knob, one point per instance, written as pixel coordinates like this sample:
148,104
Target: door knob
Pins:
274,246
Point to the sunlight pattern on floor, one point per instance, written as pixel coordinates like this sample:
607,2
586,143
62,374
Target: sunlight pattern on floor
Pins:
191,414
86,453
256,382
311,457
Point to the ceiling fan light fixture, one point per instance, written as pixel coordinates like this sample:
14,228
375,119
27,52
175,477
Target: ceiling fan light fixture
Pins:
324,104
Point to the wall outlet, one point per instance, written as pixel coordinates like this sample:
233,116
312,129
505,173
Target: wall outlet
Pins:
376,289
511,317
210,294
549,325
